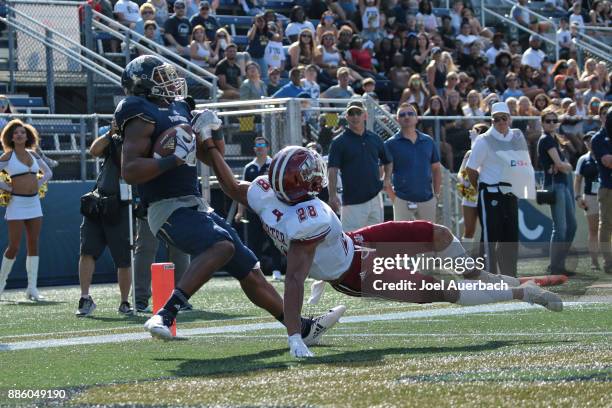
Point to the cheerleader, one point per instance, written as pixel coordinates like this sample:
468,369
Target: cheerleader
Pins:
22,164
469,204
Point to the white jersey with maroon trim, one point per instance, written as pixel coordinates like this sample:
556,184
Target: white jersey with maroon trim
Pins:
311,220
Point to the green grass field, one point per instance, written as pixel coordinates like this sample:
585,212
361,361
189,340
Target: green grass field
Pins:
381,354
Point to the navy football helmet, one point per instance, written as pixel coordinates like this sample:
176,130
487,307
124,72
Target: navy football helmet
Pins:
150,77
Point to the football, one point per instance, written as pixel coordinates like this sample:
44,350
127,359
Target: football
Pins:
166,142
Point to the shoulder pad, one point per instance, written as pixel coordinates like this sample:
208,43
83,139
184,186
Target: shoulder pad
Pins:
130,108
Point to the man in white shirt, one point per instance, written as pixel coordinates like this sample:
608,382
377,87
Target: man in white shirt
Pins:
500,168
576,16
466,38
497,46
533,56
127,12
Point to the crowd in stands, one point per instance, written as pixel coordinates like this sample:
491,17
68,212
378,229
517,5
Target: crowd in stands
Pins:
444,63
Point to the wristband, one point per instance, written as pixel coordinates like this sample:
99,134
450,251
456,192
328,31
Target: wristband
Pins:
167,163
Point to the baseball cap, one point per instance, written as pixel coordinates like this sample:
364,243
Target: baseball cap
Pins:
182,2
534,37
355,104
368,81
500,107
204,4
435,50
273,69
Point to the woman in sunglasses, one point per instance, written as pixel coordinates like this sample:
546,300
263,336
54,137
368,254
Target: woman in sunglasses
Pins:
557,177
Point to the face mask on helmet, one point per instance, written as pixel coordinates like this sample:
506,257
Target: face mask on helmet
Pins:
168,84
149,76
297,174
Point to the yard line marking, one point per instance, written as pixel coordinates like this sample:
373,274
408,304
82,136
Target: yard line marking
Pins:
241,328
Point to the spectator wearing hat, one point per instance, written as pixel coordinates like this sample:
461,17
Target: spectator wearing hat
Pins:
127,12
358,154
206,20
416,170
601,146
586,196
228,72
533,56
343,89
501,180
369,86
557,177
294,88
178,30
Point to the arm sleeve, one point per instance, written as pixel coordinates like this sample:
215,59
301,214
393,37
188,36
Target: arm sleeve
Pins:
383,153
599,148
435,154
3,185
335,154
46,170
579,165
128,109
479,154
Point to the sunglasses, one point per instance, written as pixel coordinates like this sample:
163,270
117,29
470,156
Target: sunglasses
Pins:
261,145
549,121
354,112
148,12
178,6
406,114
501,119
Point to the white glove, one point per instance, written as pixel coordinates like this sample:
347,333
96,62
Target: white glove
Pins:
297,348
316,291
185,147
204,121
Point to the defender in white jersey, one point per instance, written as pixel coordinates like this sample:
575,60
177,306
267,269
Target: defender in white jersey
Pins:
309,233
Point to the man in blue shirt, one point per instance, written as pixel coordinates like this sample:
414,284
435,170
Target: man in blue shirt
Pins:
601,146
358,154
293,88
416,170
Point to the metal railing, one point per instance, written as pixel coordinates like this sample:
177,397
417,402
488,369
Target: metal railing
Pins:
131,39
513,23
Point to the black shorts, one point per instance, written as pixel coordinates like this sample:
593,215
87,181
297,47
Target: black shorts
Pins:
97,235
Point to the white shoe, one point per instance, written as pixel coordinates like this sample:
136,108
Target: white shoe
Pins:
155,325
535,294
276,276
323,323
34,295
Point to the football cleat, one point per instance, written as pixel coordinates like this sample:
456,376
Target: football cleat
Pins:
158,329
535,294
321,324
86,307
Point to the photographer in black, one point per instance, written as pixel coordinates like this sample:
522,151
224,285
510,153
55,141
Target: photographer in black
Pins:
105,223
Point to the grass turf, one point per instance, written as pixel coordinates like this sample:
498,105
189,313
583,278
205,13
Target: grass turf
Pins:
528,357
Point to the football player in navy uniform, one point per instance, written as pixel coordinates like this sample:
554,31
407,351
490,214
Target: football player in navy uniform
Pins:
159,155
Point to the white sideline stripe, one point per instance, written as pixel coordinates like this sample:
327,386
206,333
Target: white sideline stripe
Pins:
482,334
241,328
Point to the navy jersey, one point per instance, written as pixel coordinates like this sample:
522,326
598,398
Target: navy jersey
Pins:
177,182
